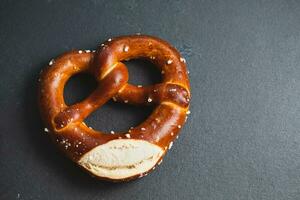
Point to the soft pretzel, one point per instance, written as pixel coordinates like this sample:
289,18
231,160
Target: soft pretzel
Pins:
116,156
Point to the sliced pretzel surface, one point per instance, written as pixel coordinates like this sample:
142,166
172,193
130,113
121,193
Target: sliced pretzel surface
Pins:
117,156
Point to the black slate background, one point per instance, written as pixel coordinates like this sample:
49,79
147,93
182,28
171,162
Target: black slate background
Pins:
242,140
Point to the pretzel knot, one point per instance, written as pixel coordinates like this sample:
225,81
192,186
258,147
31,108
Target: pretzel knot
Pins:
116,156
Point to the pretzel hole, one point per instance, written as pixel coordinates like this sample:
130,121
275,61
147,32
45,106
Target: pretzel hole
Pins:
78,87
143,72
117,117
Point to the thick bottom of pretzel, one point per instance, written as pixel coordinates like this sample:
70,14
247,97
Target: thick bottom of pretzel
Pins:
121,158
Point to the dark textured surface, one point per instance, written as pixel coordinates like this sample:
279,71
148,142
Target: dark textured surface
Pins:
242,140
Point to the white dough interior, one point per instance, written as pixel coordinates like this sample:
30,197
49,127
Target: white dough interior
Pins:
121,158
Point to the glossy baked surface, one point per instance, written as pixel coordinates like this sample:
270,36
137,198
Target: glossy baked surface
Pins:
66,124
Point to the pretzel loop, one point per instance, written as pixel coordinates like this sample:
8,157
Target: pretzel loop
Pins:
117,156
107,87
165,57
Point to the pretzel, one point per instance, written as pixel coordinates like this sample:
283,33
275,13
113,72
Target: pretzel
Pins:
116,156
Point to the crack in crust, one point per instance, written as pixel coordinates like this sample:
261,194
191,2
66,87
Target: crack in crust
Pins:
121,158
117,167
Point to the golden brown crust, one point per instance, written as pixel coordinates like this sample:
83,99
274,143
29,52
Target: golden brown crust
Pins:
171,97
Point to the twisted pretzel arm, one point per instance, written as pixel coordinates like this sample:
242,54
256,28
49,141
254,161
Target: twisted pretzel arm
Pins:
67,121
